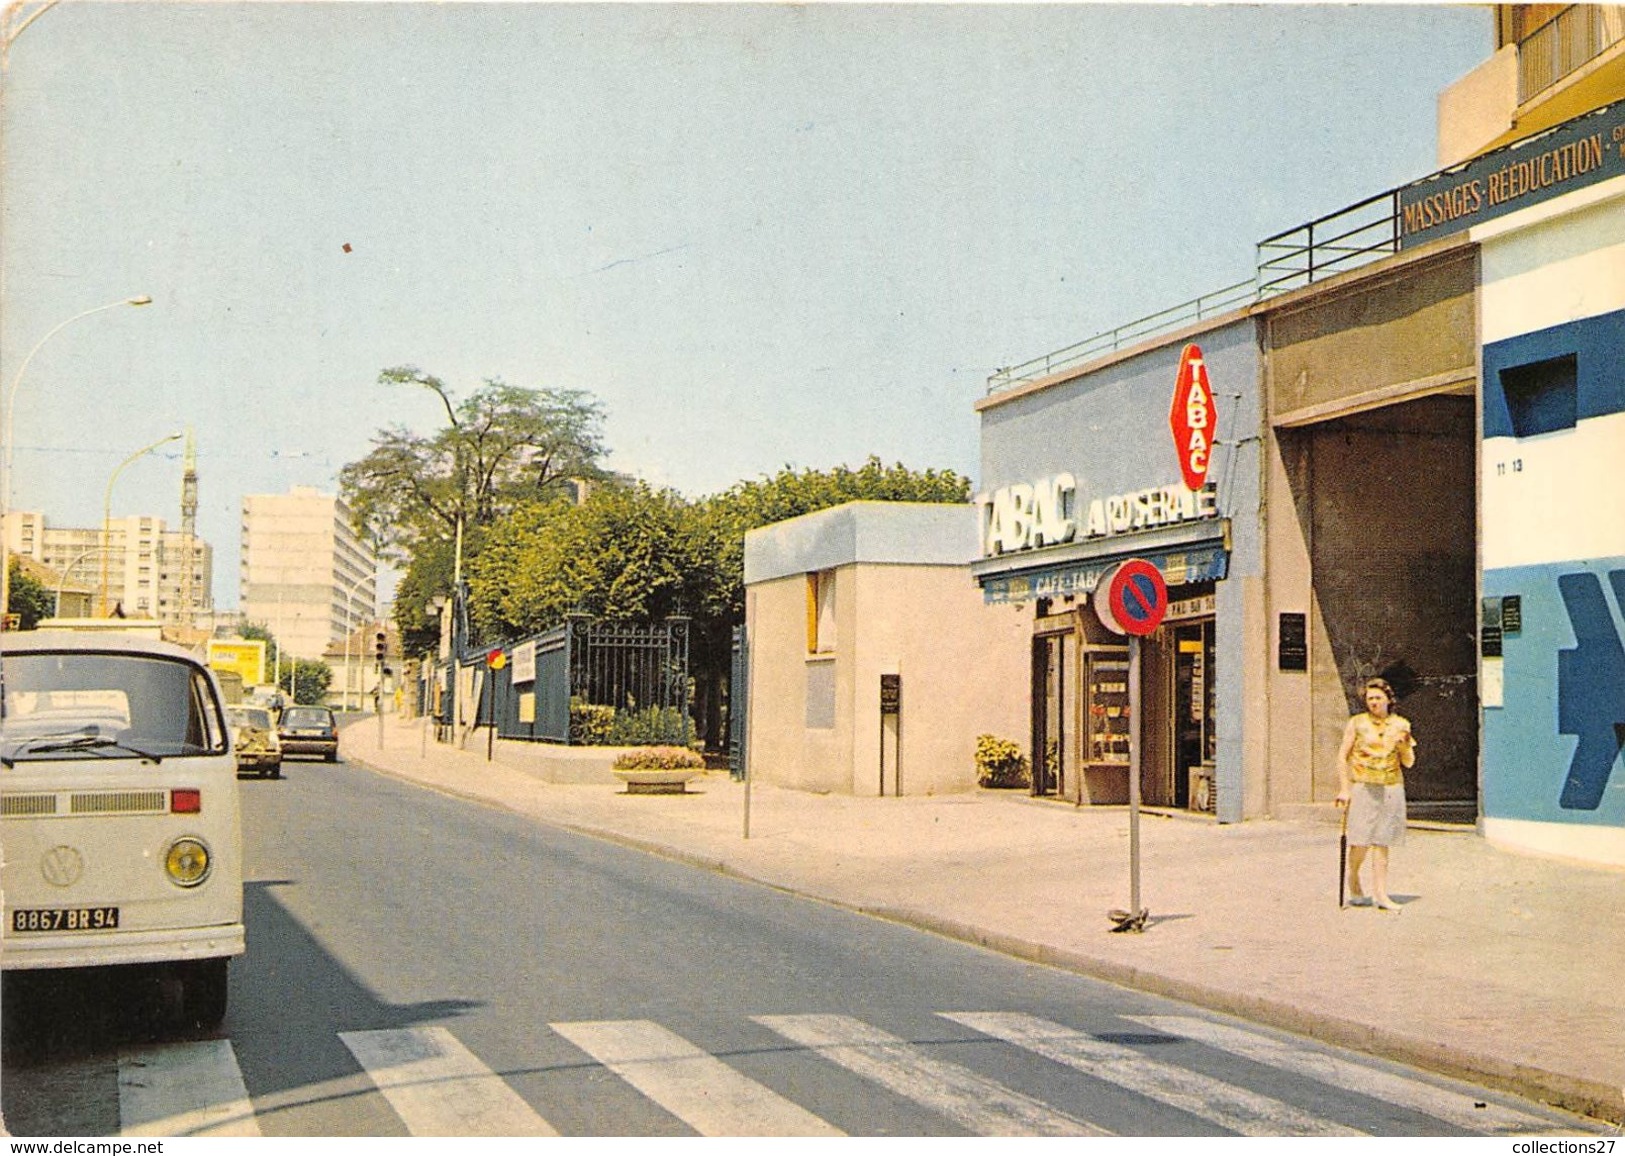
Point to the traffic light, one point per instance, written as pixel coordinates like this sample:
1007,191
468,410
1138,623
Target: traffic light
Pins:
380,645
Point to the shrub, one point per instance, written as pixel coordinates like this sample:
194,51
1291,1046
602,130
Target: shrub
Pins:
1000,763
651,725
595,725
589,723
659,759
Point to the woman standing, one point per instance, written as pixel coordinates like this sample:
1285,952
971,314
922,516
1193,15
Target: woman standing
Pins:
1377,748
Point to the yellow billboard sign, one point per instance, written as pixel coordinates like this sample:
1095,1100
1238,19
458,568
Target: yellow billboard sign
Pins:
244,657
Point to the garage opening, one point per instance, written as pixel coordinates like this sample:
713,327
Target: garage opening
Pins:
1386,499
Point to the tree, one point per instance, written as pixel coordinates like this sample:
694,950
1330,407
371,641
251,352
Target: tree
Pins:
501,447
621,553
30,600
428,576
306,681
634,552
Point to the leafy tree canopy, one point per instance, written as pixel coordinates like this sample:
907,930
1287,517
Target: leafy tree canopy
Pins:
622,553
635,552
30,600
306,681
501,447
790,493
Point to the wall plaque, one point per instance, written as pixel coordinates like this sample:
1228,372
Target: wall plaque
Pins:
891,694
1293,642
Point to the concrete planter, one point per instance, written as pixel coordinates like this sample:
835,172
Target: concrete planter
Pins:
657,782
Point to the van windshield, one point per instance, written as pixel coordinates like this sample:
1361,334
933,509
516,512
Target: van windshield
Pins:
106,706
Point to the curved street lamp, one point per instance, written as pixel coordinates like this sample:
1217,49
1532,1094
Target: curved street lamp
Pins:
349,597
5,434
67,573
107,507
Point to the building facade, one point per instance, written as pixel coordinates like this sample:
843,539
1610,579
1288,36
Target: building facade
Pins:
305,575
136,565
1081,470
1430,383
1553,608
873,663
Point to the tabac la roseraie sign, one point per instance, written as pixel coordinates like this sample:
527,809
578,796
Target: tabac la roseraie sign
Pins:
1192,417
1048,512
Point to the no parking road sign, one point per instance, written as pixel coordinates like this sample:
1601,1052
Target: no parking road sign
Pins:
1131,598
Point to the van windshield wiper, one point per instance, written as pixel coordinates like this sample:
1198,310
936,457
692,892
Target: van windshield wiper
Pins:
80,743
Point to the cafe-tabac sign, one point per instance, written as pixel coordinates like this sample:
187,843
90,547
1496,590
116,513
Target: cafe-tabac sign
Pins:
1580,152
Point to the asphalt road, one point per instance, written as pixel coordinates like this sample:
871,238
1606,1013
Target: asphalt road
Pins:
421,965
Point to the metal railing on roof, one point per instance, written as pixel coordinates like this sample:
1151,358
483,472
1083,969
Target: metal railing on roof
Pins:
1351,237
1163,321
1565,44
1335,243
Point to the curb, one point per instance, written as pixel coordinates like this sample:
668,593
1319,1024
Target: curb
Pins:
1570,1093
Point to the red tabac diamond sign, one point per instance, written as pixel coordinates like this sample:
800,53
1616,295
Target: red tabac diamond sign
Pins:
1193,418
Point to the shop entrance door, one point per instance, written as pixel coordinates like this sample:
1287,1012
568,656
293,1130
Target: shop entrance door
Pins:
1157,787
1196,735
1054,686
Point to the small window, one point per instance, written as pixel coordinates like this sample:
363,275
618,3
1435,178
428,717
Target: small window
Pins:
821,612
1542,396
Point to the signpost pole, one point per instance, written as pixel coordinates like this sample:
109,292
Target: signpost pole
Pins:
1134,749
1131,600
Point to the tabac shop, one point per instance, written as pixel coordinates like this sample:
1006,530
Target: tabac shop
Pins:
1151,454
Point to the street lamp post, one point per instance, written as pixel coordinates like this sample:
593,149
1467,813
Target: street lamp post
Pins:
5,432
349,597
107,506
67,572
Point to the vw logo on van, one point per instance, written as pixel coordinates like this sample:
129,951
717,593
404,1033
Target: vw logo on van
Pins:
62,866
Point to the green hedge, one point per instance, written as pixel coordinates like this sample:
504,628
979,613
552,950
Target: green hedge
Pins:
604,726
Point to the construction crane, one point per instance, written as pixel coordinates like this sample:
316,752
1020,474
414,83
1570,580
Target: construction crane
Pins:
187,610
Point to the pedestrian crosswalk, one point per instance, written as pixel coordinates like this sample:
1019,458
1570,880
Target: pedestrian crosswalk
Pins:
438,1086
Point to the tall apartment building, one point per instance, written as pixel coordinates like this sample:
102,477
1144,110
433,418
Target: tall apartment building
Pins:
138,565
304,571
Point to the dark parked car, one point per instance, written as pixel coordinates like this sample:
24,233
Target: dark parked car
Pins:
308,730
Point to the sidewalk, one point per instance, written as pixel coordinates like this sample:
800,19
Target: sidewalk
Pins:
1502,968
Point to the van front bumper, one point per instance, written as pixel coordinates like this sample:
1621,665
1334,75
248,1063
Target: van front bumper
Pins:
98,949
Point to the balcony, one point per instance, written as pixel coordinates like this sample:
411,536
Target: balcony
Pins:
1565,44
1565,66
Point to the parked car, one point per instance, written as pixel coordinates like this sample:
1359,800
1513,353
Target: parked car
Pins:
254,738
309,730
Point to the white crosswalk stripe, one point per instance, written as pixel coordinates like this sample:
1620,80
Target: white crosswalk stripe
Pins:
1235,1109
190,1089
440,1088
977,1104
1440,1103
700,1090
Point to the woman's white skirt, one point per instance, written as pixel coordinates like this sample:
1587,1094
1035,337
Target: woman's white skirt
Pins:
1377,815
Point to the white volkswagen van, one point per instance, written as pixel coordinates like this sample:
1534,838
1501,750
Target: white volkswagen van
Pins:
119,823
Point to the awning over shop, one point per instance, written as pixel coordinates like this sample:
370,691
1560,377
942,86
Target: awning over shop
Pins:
1196,552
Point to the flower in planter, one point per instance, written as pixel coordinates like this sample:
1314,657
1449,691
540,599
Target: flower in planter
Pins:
659,759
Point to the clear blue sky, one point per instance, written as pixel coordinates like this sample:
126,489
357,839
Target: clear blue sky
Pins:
760,235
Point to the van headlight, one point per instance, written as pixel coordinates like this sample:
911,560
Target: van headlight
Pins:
187,862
